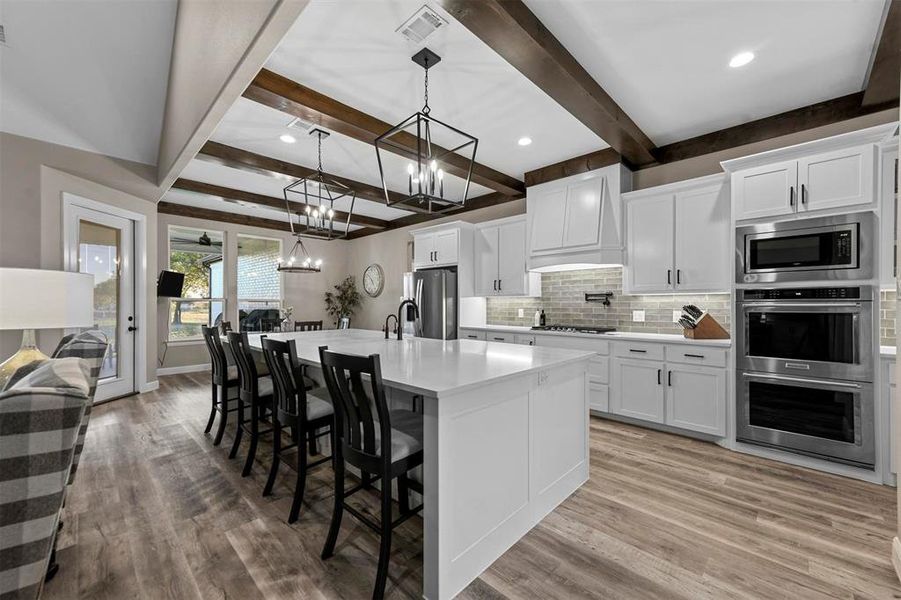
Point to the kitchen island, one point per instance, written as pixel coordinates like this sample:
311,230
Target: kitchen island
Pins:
505,438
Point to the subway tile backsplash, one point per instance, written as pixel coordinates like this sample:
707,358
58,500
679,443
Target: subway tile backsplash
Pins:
563,301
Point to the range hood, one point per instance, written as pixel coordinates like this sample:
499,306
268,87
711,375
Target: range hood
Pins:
577,222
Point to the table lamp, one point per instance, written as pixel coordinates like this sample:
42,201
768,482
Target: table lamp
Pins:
37,299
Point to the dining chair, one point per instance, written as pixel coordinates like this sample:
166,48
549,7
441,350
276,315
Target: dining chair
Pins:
381,443
254,398
308,326
306,415
223,378
225,327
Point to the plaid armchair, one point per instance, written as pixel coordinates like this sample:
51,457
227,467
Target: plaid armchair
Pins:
40,416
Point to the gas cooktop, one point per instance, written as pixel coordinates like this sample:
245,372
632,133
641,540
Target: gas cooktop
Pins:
574,328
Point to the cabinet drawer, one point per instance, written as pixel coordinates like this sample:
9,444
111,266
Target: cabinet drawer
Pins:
472,334
496,336
639,350
574,343
599,369
525,340
598,397
696,355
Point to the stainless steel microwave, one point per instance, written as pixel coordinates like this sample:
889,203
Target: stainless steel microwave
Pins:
825,248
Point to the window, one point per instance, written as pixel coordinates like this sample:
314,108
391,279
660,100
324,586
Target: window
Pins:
197,254
259,283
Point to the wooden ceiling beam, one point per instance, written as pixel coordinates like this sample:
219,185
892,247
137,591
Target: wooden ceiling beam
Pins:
181,210
281,93
234,195
792,121
244,160
884,81
574,166
516,34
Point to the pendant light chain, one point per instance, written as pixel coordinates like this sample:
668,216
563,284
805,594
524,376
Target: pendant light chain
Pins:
425,108
319,149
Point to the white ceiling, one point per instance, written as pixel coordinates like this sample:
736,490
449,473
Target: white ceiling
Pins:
87,74
349,51
666,63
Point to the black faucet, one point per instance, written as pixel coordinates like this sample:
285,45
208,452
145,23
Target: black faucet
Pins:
400,330
388,318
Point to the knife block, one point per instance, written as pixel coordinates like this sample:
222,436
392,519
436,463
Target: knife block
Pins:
708,329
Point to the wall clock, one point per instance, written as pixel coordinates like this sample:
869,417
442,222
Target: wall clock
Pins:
373,280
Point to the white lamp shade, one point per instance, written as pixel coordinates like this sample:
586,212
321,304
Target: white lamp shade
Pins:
39,299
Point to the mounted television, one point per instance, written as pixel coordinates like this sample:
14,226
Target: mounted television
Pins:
170,284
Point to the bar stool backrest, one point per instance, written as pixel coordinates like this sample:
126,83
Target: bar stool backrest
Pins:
218,362
287,380
358,414
248,378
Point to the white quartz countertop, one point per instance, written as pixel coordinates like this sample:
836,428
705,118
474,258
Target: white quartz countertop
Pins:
667,338
432,367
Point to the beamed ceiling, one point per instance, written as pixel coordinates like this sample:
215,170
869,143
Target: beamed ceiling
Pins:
591,83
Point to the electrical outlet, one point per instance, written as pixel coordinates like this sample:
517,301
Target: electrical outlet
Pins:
677,314
638,316
520,313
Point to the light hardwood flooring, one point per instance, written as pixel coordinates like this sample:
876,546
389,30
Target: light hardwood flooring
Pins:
157,511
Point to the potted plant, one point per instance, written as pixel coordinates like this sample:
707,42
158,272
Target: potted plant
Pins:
344,300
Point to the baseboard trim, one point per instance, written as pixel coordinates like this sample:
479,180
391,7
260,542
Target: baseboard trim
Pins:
896,556
183,369
150,386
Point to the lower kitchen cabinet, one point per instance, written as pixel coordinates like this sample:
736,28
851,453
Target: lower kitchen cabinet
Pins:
695,398
638,389
598,397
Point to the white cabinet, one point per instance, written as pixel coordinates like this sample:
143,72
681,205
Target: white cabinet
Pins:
659,384
497,336
840,178
577,219
888,198
500,260
638,389
695,398
436,248
472,334
678,238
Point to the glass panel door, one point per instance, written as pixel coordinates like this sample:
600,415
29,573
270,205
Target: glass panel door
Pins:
102,245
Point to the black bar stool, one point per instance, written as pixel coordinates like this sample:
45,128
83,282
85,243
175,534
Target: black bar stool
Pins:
308,326
223,379
254,392
381,443
306,414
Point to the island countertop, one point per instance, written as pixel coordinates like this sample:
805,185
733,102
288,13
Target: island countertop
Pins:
427,366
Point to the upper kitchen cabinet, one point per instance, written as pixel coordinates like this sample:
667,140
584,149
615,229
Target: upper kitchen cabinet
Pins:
500,259
677,237
577,220
824,176
888,199
446,245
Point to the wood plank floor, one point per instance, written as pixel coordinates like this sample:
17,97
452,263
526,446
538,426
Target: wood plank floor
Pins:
157,511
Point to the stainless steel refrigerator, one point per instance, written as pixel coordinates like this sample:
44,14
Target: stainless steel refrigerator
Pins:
435,292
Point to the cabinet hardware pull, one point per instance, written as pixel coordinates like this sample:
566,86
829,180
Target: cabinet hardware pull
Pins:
499,284
678,275
669,378
669,276
791,196
637,351
658,376
693,355
803,194
497,339
495,285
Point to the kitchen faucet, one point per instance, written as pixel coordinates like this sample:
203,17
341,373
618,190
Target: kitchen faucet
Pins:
396,323
400,330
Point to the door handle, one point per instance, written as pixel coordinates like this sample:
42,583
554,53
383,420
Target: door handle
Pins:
495,285
499,284
658,376
637,351
669,378
669,273
130,328
803,194
791,196
678,276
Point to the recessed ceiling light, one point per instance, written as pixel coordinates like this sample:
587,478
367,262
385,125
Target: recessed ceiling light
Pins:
524,141
741,59
288,139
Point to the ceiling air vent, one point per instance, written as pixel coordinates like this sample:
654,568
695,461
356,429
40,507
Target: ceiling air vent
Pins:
298,123
421,25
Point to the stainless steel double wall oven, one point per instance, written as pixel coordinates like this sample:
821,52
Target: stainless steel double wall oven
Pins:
806,355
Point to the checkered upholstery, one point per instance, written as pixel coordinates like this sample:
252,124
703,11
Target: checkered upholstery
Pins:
39,427
90,346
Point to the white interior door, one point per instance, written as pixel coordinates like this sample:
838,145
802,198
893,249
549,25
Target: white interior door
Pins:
103,245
